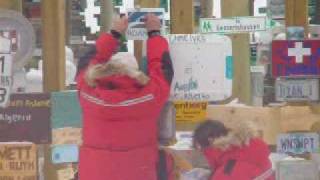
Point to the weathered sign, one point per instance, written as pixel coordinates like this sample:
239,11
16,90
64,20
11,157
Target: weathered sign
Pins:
297,89
68,153
27,118
298,143
297,170
191,111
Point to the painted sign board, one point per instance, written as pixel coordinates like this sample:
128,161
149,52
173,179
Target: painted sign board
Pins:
66,110
203,67
298,143
136,17
233,25
298,89
18,161
27,118
65,154
191,111
291,58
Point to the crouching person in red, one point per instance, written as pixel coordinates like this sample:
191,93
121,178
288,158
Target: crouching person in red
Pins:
233,151
121,106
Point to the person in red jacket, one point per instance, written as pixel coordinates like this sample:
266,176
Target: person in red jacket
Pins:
233,151
121,105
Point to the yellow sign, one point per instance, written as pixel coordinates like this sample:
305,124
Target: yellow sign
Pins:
18,161
191,111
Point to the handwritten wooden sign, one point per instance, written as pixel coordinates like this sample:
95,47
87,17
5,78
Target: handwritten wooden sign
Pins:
18,162
298,143
27,118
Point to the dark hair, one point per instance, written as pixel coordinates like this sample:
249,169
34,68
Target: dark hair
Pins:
208,129
84,60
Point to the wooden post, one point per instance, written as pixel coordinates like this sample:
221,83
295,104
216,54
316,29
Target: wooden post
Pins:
206,8
297,14
11,5
182,17
106,15
143,4
240,50
53,33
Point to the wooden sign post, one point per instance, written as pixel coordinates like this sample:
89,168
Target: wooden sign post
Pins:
182,17
53,32
241,52
297,14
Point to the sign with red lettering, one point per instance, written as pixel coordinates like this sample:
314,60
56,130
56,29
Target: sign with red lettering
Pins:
27,118
18,161
291,58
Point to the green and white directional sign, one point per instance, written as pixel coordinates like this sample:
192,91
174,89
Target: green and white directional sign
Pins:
233,25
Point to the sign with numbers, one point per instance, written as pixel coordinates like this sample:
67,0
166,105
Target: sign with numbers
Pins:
203,67
5,78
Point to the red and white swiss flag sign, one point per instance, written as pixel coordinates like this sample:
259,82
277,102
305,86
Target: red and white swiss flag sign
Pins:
291,58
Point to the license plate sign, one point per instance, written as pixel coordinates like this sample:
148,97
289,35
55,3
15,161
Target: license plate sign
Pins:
297,90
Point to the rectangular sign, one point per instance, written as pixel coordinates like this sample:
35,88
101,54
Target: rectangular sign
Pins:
203,67
66,110
291,58
18,161
191,111
298,143
233,25
27,118
297,89
136,29
65,154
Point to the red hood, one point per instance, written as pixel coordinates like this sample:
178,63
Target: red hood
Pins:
256,152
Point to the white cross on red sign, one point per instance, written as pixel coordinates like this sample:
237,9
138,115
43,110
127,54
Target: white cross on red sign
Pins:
298,52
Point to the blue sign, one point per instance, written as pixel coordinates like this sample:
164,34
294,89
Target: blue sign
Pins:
136,18
65,154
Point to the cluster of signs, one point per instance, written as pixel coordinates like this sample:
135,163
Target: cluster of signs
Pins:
39,118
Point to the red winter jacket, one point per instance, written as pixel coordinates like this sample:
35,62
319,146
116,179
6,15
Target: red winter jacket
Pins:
120,123
231,161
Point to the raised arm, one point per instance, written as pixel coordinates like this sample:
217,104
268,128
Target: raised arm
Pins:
159,62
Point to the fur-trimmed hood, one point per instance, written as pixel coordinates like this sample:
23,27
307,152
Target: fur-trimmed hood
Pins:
117,70
239,133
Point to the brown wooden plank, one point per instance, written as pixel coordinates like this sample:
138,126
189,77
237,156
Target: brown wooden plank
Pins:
53,33
297,13
182,17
